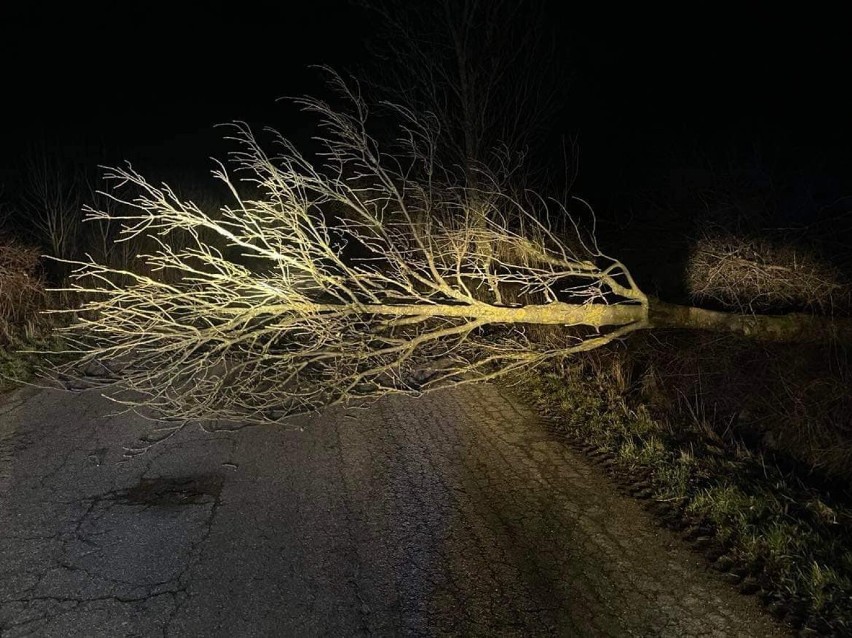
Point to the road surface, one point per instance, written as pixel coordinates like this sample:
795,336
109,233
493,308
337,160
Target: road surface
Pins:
456,514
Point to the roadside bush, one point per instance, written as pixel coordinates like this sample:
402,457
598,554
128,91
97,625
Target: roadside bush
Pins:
758,275
22,292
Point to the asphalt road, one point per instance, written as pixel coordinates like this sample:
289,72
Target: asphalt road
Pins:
455,514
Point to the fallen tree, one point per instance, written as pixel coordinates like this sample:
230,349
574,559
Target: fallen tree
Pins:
363,275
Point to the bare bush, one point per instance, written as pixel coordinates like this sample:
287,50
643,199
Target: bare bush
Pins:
757,275
21,287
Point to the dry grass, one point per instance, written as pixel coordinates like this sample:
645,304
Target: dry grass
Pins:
22,326
789,400
21,288
757,275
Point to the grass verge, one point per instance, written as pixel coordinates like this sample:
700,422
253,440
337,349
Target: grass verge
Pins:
771,533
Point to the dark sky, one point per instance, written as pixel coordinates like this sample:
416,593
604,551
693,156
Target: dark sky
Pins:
646,88
136,76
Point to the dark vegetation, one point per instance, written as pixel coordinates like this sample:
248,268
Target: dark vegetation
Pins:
22,296
42,221
745,447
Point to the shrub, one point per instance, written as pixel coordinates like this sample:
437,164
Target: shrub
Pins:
22,292
757,275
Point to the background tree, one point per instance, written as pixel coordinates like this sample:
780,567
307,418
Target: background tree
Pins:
488,72
488,75
51,202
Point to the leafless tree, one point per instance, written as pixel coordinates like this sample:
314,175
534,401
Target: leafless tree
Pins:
52,202
351,279
356,288
487,71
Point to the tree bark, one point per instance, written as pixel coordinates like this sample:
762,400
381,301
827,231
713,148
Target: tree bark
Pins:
793,327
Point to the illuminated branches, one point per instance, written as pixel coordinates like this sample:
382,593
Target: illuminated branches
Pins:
756,275
334,280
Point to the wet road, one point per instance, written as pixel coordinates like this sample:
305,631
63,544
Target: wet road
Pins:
455,514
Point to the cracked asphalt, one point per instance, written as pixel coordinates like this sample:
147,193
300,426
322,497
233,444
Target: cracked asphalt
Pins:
459,513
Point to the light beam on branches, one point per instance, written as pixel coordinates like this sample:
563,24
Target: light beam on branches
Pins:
335,280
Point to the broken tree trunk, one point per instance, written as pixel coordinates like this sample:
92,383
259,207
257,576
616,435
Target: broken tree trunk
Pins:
793,327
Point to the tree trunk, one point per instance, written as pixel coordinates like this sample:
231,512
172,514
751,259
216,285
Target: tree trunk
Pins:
793,327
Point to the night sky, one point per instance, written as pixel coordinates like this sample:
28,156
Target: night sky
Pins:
647,92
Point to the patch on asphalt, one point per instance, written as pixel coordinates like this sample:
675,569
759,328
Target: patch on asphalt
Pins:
172,491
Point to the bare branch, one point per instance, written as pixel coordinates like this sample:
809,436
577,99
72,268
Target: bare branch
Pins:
334,282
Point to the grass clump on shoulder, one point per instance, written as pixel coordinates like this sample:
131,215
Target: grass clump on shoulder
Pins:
771,531
24,330
21,357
